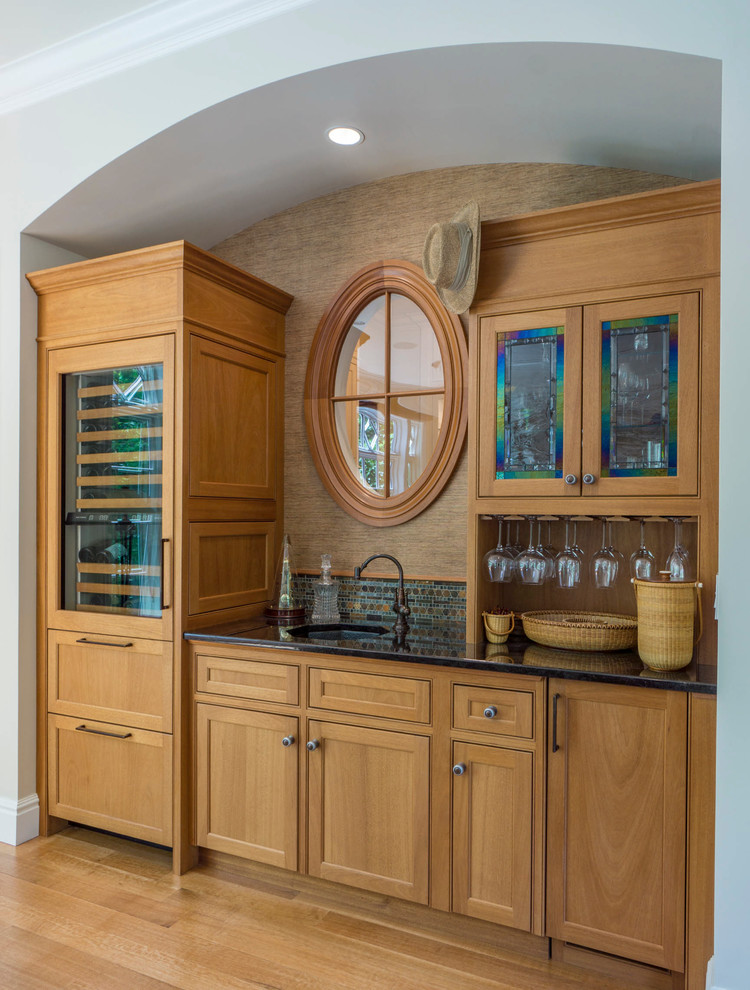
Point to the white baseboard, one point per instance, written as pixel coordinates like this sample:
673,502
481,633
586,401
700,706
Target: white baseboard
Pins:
19,820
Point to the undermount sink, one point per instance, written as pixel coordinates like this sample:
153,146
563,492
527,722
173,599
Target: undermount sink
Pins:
339,630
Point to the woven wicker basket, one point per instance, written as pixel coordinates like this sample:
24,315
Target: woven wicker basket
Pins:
666,622
581,630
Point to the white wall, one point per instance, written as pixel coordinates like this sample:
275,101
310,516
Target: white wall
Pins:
49,148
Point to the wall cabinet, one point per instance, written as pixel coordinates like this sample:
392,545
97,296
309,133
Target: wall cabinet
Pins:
592,400
616,833
146,483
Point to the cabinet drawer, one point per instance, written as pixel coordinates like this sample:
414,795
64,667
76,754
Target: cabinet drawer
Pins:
509,713
111,678
254,680
111,776
378,695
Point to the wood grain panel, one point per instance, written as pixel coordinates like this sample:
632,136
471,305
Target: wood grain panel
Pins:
265,681
230,564
232,430
369,809
126,681
616,821
492,834
514,710
377,695
246,784
111,776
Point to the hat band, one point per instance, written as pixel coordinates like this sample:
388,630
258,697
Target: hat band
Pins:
464,260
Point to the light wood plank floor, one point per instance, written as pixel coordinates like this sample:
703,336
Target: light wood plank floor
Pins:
82,910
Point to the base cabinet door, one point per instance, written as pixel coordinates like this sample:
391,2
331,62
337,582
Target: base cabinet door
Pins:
247,784
616,820
369,808
492,834
111,776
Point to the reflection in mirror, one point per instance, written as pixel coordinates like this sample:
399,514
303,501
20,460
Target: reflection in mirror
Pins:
361,365
415,425
360,427
416,362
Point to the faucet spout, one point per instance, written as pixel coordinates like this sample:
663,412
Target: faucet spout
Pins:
401,604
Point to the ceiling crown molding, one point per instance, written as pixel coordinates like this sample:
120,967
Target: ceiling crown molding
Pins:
156,30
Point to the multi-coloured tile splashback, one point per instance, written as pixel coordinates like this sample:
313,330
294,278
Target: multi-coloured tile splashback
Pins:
372,599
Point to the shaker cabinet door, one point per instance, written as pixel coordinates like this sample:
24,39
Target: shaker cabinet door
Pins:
616,797
530,403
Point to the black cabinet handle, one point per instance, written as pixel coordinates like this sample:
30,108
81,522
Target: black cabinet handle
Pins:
163,599
101,732
555,699
98,642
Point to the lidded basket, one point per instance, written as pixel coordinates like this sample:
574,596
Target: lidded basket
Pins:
666,622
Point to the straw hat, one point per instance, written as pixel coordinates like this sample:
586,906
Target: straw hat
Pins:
451,258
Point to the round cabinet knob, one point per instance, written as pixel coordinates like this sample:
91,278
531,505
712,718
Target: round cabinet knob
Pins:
287,741
571,479
313,744
459,769
490,711
588,479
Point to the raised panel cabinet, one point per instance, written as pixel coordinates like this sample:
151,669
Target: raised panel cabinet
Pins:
247,783
616,799
369,808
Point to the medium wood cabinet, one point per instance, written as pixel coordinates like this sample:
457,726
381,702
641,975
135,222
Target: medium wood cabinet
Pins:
247,783
616,832
147,482
598,400
369,823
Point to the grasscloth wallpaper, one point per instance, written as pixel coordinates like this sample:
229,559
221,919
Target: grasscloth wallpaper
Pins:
312,249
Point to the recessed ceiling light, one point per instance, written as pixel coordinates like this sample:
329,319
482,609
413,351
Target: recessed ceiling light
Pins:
345,135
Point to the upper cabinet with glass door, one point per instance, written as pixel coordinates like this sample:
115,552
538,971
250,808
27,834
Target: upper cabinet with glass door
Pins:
593,400
113,428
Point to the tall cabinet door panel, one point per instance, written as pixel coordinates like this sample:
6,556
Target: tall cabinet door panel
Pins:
246,784
110,487
640,397
530,412
369,809
616,820
492,834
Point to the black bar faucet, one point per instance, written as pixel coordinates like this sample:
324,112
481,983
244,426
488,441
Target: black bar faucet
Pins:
401,604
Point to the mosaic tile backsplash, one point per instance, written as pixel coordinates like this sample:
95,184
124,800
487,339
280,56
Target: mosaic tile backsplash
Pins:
372,599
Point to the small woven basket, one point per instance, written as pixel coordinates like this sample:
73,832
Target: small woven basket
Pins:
569,630
666,622
497,628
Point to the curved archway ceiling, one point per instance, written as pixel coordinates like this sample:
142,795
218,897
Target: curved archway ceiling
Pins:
250,157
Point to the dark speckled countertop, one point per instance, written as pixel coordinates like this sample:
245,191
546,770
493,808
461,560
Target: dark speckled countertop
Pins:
444,645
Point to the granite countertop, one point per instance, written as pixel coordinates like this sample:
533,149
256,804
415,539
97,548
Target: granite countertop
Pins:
444,645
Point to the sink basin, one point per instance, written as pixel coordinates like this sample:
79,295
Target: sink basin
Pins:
339,630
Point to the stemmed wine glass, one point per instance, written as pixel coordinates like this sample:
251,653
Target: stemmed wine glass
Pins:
531,564
604,563
549,552
578,551
499,564
642,561
677,561
568,563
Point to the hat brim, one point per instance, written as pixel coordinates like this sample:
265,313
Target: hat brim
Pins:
460,300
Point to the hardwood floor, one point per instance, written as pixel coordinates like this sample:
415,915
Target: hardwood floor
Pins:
83,910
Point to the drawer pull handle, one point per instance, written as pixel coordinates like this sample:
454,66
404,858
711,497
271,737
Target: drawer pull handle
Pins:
287,741
313,744
459,769
98,642
101,732
490,711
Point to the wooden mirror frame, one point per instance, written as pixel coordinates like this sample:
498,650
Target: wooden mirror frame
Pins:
408,280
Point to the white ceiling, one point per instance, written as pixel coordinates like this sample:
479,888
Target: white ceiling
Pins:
264,151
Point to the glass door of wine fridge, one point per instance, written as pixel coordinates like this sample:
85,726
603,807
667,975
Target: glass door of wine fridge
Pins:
115,487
